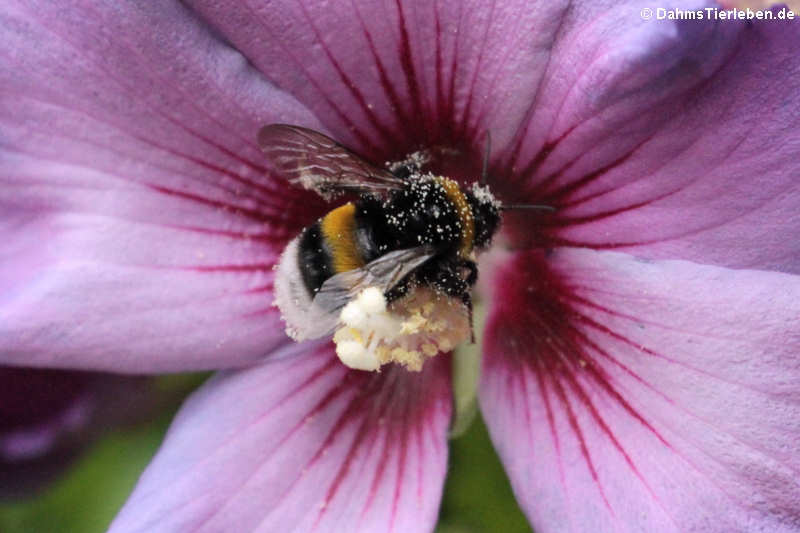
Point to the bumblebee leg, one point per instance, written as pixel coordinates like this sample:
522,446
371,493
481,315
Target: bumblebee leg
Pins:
467,300
452,283
472,272
398,291
449,281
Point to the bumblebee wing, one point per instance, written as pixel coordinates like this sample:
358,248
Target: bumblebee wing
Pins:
384,272
317,162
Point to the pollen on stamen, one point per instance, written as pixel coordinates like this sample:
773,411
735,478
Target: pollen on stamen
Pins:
407,331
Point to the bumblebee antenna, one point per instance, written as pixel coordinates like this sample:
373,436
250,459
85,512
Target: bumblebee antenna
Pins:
485,171
526,206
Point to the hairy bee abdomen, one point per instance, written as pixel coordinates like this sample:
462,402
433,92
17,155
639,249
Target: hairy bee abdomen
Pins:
329,246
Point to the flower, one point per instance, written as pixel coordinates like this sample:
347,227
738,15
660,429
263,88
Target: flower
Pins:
641,351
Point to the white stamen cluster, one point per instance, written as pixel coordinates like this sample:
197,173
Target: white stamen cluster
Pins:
406,331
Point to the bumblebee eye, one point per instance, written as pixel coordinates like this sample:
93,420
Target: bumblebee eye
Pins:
402,171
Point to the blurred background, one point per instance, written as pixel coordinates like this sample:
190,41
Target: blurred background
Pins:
80,485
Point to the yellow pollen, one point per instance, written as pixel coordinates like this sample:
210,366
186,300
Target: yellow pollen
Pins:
406,331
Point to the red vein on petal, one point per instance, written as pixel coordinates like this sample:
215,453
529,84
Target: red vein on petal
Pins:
485,107
525,123
465,115
361,434
332,394
315,375
515,180
357,407
565,190
571,187
651,171
595,414
589,405
264,215
556,241
420,440
603,329
377,474
619,364
348,83
601,378
271,192
401,463
158,111
387,85
573,422
674,450
451,99
189,98
571,340
253,214
564,220
439,62
407,64
522,382
267,287
604,382
276,238
637,319
538,370
378,402
362,137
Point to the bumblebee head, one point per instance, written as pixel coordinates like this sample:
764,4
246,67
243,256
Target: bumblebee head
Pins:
485,212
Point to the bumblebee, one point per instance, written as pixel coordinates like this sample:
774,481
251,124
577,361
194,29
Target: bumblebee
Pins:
405,229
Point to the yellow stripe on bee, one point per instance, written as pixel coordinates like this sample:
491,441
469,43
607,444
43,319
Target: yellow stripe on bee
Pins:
464,211
339,230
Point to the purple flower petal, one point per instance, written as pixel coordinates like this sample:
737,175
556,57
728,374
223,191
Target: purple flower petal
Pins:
139,228
630,395
672,140
298,444
388,76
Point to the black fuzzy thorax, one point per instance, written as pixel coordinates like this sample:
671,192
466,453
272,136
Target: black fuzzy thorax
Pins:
420,214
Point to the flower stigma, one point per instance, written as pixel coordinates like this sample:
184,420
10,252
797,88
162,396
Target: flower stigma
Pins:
407,331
